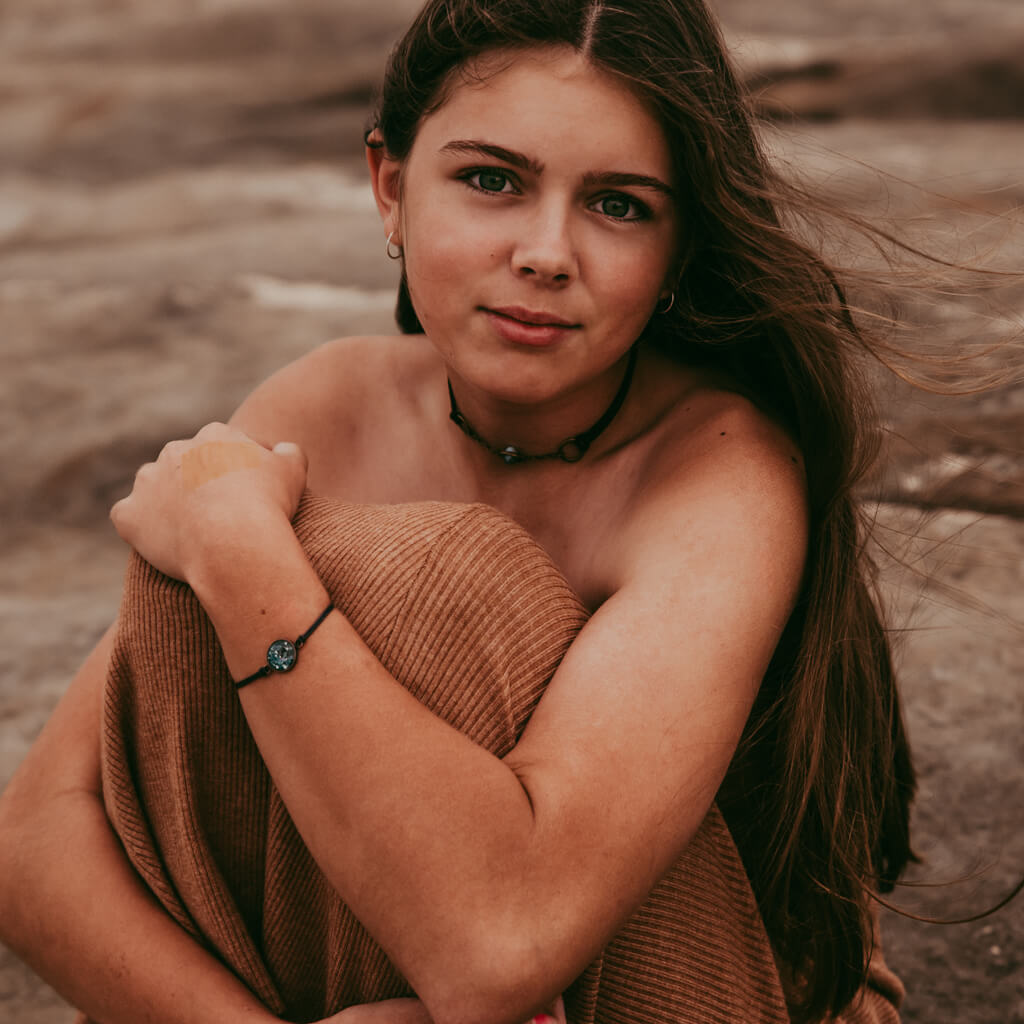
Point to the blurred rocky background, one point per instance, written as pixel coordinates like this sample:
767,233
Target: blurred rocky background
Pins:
183,209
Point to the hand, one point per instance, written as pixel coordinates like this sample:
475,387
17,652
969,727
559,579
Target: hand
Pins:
412,1011
201,493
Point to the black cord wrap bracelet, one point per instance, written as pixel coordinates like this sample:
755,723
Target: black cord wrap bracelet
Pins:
283,655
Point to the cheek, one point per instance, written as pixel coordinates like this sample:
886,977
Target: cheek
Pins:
634,278
443,245
445,258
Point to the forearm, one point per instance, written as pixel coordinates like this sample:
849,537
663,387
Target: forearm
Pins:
73,908
389,798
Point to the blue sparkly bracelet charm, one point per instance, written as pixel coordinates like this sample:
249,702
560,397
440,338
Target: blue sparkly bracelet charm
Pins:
283,655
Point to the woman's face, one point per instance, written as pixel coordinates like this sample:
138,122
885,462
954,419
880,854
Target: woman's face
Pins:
536,215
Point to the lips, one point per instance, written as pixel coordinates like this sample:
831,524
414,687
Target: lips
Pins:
534,318
530,327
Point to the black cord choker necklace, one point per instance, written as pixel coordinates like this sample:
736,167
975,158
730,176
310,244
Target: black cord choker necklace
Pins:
572,449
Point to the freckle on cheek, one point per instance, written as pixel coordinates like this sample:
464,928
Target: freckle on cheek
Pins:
208,461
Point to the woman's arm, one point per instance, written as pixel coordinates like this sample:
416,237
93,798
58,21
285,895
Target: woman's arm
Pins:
492,883
72,906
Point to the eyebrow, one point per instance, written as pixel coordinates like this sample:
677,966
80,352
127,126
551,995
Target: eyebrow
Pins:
616,179
508,156
607,179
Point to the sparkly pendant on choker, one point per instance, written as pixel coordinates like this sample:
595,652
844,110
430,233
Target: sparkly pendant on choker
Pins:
572,449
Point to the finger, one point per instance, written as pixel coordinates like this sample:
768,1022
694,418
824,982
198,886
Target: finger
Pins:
120,517
555,1014
143,473
559,1011
290,450
218,430
213,427
170,451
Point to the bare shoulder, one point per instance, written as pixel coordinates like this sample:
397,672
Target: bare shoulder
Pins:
723,482
321,389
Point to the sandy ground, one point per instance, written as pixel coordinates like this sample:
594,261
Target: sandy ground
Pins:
182,210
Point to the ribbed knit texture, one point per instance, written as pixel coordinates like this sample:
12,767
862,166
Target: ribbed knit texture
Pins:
470,615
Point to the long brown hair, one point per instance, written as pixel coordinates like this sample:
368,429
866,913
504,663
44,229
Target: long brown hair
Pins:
819,791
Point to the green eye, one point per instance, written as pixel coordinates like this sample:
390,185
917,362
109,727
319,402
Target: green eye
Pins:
492,181
620,208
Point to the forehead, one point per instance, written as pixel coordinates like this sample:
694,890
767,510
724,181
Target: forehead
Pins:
550,100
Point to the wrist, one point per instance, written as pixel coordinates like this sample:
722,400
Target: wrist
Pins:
258,588
283,654
226,557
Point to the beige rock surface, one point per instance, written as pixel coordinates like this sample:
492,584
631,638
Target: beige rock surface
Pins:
182,210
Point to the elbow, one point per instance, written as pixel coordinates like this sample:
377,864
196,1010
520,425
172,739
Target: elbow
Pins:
37,833
500,982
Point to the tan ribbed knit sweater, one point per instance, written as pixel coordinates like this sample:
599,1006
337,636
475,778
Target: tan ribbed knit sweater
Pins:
469,614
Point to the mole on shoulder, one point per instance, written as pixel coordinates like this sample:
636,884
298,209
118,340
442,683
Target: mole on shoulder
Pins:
722,434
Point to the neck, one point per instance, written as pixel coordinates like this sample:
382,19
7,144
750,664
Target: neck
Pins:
570,446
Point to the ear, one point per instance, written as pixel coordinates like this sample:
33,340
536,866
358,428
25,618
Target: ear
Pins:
385,179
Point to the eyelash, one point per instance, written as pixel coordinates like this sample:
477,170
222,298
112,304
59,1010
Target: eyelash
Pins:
642,212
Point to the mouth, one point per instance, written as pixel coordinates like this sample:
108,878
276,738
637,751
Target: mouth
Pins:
530,317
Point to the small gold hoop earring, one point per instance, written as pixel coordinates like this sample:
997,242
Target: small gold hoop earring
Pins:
387,248
671,303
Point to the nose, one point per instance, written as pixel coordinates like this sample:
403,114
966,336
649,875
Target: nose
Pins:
545,250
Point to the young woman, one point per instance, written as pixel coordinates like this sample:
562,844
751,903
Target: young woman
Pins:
611,338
